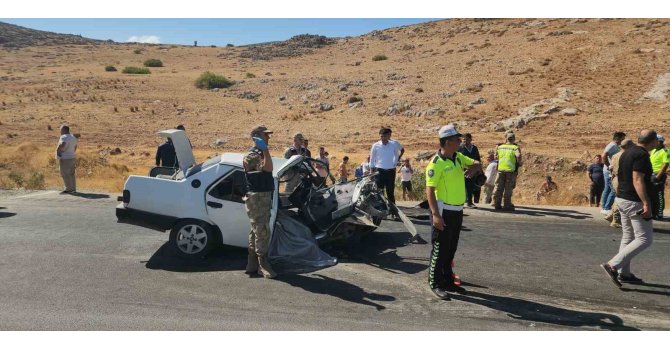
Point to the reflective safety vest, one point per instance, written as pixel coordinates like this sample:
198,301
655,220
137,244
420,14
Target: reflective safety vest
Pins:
507,157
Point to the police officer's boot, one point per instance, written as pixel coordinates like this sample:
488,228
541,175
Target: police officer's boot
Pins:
264,268
252,262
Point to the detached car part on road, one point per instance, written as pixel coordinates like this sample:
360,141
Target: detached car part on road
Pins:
203,204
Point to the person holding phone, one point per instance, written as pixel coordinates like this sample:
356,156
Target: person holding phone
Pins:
633,198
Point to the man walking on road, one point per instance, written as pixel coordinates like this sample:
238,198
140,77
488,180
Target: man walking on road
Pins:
65,153
634,201
509,160
260,182
384,156
445,189
468,149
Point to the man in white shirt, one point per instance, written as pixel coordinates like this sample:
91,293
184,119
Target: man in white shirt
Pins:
384,156
67,145
406,173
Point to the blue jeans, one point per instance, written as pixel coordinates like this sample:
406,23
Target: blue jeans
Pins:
608,194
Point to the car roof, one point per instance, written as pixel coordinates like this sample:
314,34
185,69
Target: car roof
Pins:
236,159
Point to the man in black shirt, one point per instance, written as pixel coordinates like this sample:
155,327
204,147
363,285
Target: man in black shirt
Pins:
634,194
595,172
166,155
468,149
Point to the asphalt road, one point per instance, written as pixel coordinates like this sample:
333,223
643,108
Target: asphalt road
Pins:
65,264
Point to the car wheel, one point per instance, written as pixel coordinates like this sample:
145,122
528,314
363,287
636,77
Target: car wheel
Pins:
192,238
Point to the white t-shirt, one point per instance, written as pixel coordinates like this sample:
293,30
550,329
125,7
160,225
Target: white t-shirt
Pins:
385,156
70,146
611,149
491,172
405,174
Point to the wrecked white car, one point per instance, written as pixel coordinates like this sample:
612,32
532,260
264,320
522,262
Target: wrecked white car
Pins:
203,204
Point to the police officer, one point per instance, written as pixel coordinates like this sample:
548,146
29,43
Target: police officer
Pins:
260,183
509,160
445,189
659,164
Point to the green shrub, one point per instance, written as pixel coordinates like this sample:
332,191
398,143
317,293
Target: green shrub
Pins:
379,58
16,178
209,80
137,51
153,63
110,69
36,181
136,70
250,75
230,45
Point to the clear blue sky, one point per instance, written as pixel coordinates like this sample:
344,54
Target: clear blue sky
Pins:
236,31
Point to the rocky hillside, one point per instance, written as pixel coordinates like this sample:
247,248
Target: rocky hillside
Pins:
13,36
563,85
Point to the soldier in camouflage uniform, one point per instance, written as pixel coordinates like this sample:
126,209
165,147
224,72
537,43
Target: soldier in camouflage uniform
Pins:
260,182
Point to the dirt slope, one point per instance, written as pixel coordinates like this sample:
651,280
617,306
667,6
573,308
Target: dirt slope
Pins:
564,85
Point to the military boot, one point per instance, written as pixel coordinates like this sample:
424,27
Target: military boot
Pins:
264,268
252,262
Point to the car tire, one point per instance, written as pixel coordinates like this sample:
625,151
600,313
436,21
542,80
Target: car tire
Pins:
192,238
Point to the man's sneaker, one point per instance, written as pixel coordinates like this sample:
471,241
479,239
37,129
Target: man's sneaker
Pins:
612,273
630,279
441,293
605,212
471,205
455,289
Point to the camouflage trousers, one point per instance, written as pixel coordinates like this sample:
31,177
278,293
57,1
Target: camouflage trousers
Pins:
259,205
505,184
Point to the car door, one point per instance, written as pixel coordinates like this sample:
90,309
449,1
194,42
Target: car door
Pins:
225,207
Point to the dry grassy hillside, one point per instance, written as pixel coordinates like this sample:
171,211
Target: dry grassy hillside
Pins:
564,85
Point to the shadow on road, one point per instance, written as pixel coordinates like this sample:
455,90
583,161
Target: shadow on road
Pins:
569,214
532,311
6,215
90,195
329,286
223,259
665,291
661,230
379,249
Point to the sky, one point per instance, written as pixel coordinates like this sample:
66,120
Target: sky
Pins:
236,31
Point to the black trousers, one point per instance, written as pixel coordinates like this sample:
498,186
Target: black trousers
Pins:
596,192
658,200
445,242
386,179
472,192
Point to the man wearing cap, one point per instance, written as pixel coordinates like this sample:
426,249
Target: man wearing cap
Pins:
659,165
445,189
384,157
509,160
258,201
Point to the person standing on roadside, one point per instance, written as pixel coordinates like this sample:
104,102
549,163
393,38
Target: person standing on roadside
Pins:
343,170
509,160
258,201
615,217
659,165
384,156
65,153
633,197
445,190
491,174
468,149
612,148
596,181
406,173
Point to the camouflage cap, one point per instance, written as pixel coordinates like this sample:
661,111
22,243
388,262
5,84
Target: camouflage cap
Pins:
298,136
260,129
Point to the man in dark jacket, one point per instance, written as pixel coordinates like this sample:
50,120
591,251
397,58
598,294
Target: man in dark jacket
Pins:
166,155
469,150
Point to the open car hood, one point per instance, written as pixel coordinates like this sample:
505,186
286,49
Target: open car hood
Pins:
182,147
